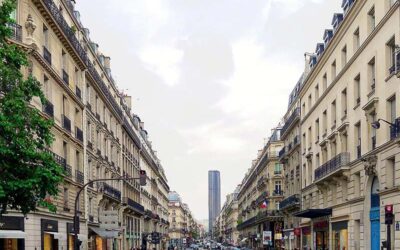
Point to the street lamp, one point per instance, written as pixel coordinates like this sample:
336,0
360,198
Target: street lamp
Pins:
142,177
377,124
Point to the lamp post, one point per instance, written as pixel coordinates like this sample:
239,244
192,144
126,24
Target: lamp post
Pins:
142,179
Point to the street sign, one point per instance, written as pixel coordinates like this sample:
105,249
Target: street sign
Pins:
109,220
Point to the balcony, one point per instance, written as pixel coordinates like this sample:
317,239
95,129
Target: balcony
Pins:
295,116
336,166
277,193
395,130
16,31
111,191
66,123
291,202
133,205
59,159
282,152
78,92
278,172
48,108
79,134
46,55
79,177
68,170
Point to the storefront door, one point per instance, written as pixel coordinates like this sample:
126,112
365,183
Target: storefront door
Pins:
12,233
322,240
374,215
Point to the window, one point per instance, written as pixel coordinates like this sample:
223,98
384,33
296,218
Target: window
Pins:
65,197
317,130
357,90
89,131
324,123
309,102
391,55
356,39
333,114
333,148
358,139
90,207
317,163
46,36
334,70
304,108
278,168
373,130
309,138
371,73
371,19
390,172
47,88
344,142
344,56
277,205
78,160
316,92
392,115
344,103
65,151
324,82
278,187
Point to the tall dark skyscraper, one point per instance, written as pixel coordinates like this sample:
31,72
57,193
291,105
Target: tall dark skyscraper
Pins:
214,197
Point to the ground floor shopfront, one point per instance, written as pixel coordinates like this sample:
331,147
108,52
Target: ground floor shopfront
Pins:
263,235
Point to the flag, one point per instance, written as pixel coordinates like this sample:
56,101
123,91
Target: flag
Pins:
264,204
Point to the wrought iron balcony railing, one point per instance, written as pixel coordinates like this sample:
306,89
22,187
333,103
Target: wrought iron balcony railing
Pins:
111,191
282,152
134,205
16,31
277,192
295,115
332,165
289,202
79,176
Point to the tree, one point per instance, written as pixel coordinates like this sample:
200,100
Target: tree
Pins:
28,173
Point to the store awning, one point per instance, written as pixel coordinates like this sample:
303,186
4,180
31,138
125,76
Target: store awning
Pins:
314,213
58,236
12,234
107,234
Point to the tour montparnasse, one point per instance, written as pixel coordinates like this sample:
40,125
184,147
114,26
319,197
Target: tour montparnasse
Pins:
328,177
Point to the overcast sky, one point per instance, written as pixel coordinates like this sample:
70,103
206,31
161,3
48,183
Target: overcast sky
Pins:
209,78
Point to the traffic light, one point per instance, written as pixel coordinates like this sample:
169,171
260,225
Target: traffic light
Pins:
142,178
389,214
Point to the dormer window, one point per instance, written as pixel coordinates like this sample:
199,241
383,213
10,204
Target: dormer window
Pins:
336,21
320,49
313,61
346,5
328,36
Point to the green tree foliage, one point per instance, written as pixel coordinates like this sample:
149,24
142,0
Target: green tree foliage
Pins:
27,172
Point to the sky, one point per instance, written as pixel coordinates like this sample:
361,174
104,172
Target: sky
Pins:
210,78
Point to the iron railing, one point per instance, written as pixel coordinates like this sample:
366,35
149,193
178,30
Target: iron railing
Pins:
134,205
111,191
277,192
282,152
332,165
79,176
290,120
290,201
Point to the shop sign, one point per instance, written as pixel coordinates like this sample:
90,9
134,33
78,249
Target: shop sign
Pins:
321,224
267,237
109,220
297,231
11,223
49,225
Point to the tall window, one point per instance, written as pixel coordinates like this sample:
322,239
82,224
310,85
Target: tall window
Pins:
344,56
358,139
78,160
278,186
324,82
334,70
372,73
371,19
392,115
47,88
373,134
317,130
309,102
65,151
46,36
357,90
324,123
344,103
391,55
65,197
356,39
316,92
333,114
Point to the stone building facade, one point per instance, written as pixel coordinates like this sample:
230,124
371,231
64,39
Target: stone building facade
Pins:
96,136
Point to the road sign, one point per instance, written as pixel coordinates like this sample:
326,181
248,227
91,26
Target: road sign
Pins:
109,220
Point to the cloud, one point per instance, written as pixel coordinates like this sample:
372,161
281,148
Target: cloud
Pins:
164,61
